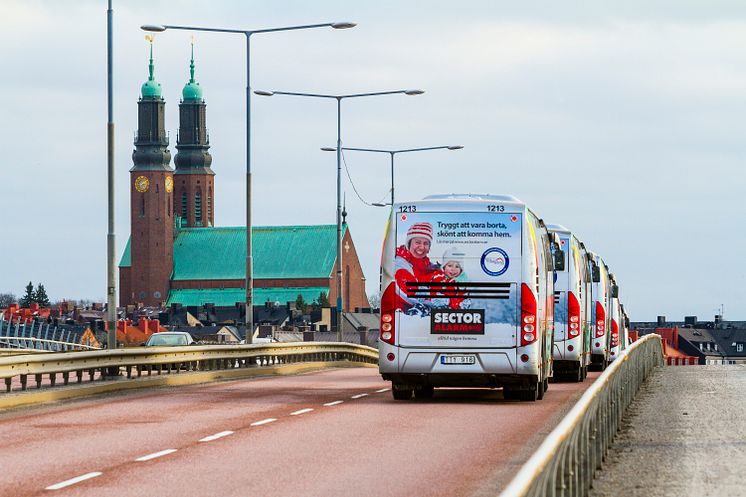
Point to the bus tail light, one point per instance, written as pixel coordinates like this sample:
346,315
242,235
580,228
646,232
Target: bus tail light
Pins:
573,313
528,316
600,320
388,311
614,333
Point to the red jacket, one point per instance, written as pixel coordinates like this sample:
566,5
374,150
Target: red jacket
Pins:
454,294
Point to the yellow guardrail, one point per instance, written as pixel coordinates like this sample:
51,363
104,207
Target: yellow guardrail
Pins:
567,460
149,360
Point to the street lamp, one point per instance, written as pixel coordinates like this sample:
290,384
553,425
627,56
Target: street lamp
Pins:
392,153
249,318
339,99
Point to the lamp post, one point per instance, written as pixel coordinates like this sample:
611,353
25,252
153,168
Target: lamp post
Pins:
392,153
339,99
111,285
249,318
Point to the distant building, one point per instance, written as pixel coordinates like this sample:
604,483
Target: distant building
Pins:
707,342
176,255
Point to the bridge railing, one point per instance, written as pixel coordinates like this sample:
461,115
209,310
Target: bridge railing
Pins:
134,362
567,460
38,335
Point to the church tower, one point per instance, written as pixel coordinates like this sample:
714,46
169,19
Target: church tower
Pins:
151,199
194,204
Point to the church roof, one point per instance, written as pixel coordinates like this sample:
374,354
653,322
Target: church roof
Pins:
279,252
229,296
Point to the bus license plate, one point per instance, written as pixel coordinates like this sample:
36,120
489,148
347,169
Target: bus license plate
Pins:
458,359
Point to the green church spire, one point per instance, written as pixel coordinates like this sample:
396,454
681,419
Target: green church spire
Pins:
151,88
192,91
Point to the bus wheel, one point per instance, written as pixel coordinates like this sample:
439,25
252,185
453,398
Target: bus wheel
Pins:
530,395
401,394
425,392
542,388
510,394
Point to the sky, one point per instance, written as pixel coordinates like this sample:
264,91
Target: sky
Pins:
623,121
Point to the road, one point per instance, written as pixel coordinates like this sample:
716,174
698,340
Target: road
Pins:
331,433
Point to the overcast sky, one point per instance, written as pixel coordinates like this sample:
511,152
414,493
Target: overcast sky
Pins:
624,121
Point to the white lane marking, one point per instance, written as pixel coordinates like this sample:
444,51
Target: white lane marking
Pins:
216,436
264,422
336,402
302,411
155,454
383,390
73,481
359,396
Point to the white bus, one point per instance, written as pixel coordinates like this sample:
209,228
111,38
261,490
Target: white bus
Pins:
467,297
616,339
601,294
572,310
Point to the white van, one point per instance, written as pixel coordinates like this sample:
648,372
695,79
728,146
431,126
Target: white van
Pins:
467,287
572,310
601,291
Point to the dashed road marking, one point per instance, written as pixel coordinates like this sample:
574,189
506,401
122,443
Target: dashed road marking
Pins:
216,436
336,402
73,481
302,411
359,396
155,455
264,422
383,390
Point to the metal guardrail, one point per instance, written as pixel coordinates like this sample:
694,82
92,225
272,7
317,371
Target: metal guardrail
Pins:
567,460
150,360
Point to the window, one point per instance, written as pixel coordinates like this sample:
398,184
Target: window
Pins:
183,204
739,347
142,205
198,208
209,204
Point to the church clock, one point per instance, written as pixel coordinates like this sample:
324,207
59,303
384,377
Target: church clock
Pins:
142,184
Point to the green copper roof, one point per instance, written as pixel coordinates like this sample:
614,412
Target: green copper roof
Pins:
279,252
229,296
151,88
126,260
192,90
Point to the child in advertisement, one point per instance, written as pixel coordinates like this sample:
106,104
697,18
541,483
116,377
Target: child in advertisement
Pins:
451,270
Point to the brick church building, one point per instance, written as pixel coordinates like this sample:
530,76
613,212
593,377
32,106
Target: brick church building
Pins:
176,254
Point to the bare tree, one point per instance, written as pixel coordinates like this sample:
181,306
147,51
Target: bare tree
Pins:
6,299
375,300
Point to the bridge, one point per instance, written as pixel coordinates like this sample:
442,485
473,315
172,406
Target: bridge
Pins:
316,419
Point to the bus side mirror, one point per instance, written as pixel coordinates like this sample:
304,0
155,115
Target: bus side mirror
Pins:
559,260
596,274
615,291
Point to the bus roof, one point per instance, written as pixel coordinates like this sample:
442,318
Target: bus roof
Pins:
474,196
558,228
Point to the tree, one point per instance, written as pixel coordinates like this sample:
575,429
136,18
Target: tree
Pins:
40,296
300,304
323,300
375,300
6,299
28,297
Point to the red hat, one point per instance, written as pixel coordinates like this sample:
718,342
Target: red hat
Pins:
422,230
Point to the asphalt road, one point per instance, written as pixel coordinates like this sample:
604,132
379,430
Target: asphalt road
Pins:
331,433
